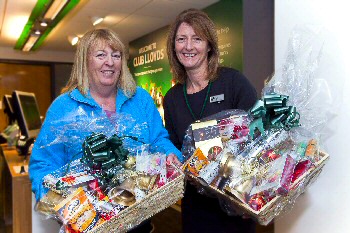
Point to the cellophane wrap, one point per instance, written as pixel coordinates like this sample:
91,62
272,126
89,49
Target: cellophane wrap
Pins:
113,181
258,162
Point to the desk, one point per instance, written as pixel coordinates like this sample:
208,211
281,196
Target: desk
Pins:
16,193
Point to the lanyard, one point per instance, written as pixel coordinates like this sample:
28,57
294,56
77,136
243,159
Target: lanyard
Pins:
204,104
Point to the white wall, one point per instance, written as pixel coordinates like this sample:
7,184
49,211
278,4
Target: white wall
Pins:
324,207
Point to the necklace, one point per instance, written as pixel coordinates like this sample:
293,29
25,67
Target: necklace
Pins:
204,104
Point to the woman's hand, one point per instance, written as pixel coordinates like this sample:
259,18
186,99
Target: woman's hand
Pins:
172,159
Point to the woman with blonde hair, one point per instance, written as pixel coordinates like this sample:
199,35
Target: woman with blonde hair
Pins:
98,39
100,86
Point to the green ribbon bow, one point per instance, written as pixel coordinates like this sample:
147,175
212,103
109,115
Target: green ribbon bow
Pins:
101,154
272,112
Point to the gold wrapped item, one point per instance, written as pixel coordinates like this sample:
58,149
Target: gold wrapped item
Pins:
123,194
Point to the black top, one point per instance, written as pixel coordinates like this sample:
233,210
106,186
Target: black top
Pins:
200,213
238,94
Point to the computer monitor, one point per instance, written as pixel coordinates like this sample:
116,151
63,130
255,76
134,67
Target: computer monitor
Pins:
8,108
27,113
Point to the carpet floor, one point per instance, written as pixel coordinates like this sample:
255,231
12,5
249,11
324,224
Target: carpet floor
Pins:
169,221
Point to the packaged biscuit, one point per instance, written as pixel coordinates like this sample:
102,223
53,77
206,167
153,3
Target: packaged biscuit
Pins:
77,211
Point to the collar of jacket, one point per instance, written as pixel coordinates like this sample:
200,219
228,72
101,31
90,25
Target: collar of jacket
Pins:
78,96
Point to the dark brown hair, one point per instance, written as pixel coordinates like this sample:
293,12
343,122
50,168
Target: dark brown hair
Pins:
204,27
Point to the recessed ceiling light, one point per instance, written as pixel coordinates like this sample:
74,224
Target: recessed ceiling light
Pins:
96,20
73,40
43,24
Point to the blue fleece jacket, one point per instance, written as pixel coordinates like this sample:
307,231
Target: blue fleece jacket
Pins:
46,159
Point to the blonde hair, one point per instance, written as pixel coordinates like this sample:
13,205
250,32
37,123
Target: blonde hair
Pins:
204,27
96,38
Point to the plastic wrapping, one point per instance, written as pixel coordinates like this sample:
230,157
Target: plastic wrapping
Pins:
72,130
269,155
111,181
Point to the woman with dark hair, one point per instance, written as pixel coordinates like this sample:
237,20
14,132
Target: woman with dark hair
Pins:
203,88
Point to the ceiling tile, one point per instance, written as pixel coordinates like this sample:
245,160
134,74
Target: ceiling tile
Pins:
135,26
162,9
201,3
170,8
131,19
2,11
125,6
15,17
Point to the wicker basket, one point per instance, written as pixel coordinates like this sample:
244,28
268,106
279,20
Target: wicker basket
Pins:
153,203
274,207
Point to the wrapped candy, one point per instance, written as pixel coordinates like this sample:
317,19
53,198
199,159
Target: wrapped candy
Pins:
270,155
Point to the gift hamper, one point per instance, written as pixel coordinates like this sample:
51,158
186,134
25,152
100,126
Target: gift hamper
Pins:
115,183
258,162
258,178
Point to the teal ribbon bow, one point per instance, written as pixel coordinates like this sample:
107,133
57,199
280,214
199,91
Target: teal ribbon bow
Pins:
272,112
101,154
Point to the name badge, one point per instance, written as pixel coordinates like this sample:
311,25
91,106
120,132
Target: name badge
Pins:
216,98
